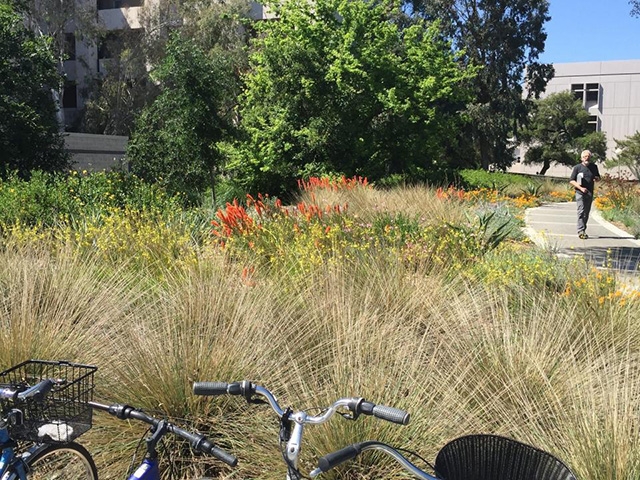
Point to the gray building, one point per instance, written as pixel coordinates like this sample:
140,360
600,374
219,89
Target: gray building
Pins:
609,91
88,59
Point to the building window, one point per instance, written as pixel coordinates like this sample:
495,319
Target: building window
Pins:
592,93
589,94
578,91
70,96
111,4
109,46
70,46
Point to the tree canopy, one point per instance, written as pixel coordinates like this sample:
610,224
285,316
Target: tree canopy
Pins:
117,96
176,138
505,38
628,154
558,131
337,86
29,133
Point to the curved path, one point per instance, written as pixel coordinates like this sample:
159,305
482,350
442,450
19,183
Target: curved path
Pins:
553,225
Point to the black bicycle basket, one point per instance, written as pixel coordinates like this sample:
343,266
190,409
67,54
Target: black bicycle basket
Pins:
63,415
492,457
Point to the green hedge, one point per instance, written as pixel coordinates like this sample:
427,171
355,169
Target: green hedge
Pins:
474,179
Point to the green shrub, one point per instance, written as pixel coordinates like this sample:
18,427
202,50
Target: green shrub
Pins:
50,199
476,179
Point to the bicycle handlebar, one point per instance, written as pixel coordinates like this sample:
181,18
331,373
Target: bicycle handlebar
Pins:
37,392
356,405
350,452
197,441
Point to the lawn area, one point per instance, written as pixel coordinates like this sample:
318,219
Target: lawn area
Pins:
428,299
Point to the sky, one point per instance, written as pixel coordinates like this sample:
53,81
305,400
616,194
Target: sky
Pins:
591,31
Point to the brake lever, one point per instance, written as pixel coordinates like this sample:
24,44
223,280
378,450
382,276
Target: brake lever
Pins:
349,416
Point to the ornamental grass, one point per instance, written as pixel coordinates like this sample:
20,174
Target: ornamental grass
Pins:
489,335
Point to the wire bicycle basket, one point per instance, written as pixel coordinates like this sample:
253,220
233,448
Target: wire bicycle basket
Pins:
64,414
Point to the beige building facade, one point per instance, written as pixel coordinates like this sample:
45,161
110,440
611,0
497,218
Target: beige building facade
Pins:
610,92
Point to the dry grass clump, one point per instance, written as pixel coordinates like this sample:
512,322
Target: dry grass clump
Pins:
416,201
558,371
57,306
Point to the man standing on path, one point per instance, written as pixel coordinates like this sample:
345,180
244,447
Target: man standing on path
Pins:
583,177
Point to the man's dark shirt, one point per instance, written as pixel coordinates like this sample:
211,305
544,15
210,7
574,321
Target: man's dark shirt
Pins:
585,175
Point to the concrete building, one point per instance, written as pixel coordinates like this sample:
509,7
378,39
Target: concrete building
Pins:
609,91
85,60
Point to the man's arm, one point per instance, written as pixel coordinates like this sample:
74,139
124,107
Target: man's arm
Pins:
573,180
577,186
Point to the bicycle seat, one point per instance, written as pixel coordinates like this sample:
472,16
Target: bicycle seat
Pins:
492,457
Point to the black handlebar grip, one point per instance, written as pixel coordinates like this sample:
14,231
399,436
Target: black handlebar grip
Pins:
391,414
38,391
210,388
334,459
201,443
220,454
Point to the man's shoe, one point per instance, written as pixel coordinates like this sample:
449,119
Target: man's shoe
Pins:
583,236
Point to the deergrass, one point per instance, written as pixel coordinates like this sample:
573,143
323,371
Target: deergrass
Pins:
418,202
465,346
57,306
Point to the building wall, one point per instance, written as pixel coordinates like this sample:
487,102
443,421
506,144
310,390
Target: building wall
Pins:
114,16
611,94
617,108
96,152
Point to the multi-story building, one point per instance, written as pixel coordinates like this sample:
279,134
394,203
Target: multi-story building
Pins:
85,60
609,91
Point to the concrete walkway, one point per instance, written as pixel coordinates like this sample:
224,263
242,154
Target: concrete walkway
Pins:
553,226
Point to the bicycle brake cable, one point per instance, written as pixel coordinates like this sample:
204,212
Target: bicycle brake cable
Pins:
135,452
411,452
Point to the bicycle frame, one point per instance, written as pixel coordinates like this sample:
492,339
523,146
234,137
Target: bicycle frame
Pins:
9,462
149,468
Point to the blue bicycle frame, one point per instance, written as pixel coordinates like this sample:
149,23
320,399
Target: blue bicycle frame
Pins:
149,468
9,462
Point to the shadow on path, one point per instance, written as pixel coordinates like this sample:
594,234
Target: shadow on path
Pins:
618,258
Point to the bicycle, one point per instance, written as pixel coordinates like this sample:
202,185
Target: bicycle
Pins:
149,469
292,423
44,409
471,457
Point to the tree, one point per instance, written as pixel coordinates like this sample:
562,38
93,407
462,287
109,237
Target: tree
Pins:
336,86
635,7
558,131
505,38
116,97
53,19
175,142
29,134
628,154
